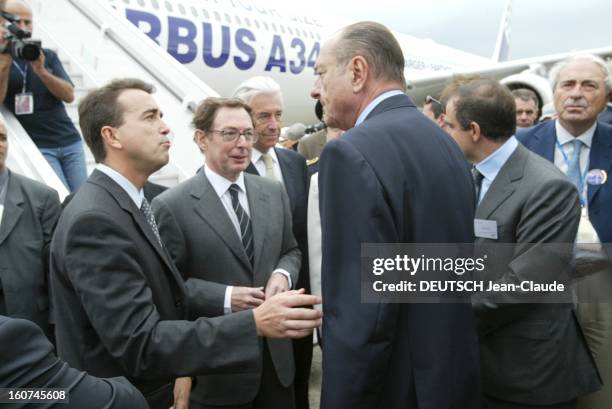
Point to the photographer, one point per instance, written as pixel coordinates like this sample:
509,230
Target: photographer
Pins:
35,90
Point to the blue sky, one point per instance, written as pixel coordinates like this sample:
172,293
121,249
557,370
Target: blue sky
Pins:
538,26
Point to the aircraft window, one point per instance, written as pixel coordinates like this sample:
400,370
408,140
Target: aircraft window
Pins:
256,23
228,18
155,4
266,25
181,8
282,29
273,27
290,30
217,16
194,11
141,3
247,21
126,1
206,15
169,7
238,20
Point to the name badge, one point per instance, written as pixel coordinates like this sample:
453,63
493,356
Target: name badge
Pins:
486,229
596,177
24,103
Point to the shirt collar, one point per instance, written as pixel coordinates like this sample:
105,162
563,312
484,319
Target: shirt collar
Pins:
563,136
256,155
374,103
136,195
221,184
492,164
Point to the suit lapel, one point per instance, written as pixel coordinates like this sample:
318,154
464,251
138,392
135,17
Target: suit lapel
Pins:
208,206
545,140
289,175
252,169
126,203
503,186
259,206
12,207
599,158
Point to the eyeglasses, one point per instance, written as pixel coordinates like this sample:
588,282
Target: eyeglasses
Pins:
232,134
429,99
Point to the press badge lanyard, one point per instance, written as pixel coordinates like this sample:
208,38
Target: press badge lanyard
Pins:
24,102
24,75
582,175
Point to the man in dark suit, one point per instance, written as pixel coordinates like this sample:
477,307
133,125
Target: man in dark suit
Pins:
122,308
241,259
393,177
28,213
581,147
529,202
264,97
27,360
606,115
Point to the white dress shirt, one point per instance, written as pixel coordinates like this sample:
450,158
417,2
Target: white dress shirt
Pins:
136,195
492,164
564,138
258,162
221,186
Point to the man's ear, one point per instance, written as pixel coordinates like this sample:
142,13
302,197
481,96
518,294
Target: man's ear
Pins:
360,72
475,129
201,139
110,137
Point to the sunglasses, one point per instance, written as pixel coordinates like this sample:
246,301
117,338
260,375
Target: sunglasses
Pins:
429,99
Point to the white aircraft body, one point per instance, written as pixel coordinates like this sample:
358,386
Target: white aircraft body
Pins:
226,41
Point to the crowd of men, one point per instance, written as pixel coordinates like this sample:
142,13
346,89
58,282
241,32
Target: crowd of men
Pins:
199,295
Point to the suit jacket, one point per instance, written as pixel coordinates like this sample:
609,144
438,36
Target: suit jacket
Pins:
27,360
202,241
295,176
606,115
532,354
395,178
541,139
31,210
122,307
311,145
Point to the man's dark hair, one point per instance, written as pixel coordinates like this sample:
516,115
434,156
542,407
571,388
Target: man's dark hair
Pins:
100,108
207,111
436,106
489,104
377,45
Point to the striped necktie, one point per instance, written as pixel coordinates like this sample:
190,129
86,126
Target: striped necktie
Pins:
244,221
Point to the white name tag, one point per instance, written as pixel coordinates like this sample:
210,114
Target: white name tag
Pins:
24,103
486,229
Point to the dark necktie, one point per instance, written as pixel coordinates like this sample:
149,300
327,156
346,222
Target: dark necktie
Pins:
145,207
244,221
477,177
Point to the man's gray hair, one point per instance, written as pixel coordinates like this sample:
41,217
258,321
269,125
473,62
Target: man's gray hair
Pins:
377,45
553,75
256,86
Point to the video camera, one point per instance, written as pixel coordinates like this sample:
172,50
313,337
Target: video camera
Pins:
19,43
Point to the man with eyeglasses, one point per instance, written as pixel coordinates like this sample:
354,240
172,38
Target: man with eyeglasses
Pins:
233,230
432,108
264,96
122,308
